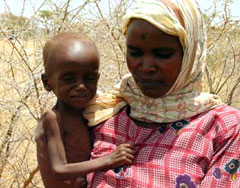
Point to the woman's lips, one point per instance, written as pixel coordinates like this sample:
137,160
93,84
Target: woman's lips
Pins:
149,83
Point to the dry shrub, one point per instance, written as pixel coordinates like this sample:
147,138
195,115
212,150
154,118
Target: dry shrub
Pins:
23,99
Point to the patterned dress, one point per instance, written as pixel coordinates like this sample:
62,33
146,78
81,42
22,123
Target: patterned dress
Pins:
202,151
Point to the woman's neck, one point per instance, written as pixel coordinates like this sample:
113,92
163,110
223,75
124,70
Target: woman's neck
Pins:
148,125
145,124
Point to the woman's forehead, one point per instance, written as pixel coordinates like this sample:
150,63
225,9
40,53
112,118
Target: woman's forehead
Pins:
143,29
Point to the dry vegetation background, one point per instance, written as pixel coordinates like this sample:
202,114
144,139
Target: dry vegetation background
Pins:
23,99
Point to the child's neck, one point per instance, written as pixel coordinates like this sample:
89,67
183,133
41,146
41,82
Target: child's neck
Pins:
67,110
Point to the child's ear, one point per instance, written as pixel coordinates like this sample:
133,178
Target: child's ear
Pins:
45,82
98,76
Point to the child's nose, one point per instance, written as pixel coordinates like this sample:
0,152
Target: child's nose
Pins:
80,86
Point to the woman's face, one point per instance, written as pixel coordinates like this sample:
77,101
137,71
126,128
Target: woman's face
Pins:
153,57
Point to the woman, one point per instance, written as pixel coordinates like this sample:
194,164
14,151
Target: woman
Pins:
182,136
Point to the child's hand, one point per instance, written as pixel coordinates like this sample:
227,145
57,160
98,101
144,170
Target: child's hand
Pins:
122,156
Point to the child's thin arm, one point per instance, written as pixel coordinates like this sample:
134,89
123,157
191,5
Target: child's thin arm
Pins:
57,156
122,155
56,151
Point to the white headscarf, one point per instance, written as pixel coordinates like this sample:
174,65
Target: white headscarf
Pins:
185,99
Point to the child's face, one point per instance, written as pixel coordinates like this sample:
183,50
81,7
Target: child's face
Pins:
73,72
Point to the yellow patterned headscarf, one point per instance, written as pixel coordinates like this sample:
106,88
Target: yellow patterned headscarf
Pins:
185,99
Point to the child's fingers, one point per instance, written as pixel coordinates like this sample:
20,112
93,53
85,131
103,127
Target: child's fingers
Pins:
130,156
126,148
128,159
129,151
126,145
127,156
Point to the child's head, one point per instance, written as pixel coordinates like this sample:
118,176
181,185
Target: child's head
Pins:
71,63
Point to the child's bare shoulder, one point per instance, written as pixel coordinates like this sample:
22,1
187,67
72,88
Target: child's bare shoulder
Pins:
50,115
48,118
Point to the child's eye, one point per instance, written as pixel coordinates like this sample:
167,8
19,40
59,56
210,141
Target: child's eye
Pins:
134,53
90,78
68,79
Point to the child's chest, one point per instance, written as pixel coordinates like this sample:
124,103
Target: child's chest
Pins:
77,140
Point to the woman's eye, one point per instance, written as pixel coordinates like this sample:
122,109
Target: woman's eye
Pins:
163,55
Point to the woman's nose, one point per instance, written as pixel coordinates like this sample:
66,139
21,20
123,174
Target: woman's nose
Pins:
148,66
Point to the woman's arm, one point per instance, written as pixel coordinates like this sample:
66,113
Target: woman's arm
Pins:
224,169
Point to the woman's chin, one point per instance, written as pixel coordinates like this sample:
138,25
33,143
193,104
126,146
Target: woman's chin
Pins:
152,93
152,90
